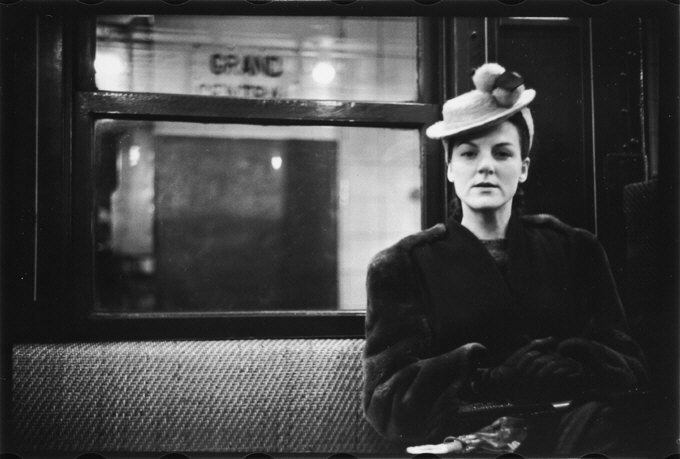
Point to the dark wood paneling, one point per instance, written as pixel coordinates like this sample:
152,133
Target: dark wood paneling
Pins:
552,57
467,52
429,30
17,191
18,167
669,173
202,108
433,188
618,137
431,56
5,347
82,220
85,47
54,162
447,55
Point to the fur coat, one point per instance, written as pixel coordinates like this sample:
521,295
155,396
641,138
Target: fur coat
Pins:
435,293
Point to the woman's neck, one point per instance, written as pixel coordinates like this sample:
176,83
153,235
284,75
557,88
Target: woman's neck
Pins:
490,224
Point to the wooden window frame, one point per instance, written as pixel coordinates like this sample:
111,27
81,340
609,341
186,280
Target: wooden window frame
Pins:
64,291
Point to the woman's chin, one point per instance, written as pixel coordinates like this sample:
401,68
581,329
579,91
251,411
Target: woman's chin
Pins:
486,205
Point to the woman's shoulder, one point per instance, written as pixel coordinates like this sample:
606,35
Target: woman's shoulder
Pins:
399,252
550,225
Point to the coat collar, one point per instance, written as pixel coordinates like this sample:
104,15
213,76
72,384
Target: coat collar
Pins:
471,301
466,289
514,232
519,267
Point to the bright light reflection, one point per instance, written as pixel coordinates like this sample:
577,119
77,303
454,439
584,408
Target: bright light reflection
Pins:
135,153
277,162
323,73
109,64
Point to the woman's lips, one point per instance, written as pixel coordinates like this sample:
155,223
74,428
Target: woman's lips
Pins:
485,185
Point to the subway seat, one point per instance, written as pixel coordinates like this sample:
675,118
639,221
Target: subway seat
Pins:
234,396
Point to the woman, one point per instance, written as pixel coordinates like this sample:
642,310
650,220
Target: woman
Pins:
494,307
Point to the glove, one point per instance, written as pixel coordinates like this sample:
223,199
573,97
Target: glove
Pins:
533,373
549,376
505,381
608,369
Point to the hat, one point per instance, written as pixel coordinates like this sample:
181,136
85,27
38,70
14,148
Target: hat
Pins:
498,95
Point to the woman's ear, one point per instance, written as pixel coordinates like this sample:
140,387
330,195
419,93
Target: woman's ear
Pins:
524,174
449,171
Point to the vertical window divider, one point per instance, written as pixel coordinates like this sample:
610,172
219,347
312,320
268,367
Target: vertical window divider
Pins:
433,191
83,215
53,128
85,48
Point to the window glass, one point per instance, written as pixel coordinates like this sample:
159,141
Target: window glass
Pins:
225,217
259,57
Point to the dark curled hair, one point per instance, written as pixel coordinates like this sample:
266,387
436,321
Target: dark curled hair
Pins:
517,120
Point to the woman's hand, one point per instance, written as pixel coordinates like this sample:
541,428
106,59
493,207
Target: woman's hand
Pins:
503,381
544,373
609,370
539,366
550,376
534,371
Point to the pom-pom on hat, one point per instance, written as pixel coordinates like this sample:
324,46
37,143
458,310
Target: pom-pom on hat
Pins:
498,95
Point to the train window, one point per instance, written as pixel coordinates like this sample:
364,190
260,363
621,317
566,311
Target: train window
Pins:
238,173
236,217
259,57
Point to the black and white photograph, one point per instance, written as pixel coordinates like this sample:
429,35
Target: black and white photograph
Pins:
339,229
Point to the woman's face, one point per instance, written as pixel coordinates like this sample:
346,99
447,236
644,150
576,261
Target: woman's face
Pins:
486,170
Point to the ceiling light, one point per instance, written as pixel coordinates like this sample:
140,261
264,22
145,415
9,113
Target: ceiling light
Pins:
323,73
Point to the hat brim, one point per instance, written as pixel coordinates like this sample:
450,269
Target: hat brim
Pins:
442,129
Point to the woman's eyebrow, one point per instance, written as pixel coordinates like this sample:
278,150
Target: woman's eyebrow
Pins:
470,142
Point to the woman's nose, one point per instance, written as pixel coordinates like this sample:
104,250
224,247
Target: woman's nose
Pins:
486,163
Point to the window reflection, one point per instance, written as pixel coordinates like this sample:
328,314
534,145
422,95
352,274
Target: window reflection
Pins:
209,217
259,57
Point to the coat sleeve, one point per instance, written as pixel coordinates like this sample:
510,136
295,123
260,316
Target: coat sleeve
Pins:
611,358
409,393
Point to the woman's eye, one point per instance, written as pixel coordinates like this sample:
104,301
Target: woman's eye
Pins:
504,154
467,153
